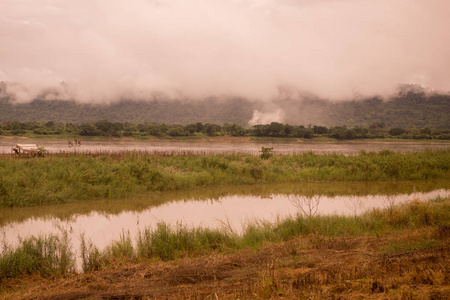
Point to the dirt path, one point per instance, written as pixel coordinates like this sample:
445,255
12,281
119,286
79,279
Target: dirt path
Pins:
310,267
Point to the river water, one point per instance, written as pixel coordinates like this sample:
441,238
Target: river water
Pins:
210,147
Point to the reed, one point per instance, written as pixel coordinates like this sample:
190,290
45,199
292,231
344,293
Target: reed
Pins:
91,259
168,243
52,255
73,177
121,250
47,255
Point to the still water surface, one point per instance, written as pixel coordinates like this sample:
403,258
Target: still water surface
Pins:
236,211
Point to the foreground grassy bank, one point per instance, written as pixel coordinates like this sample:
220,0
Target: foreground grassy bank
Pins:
414,228
61,179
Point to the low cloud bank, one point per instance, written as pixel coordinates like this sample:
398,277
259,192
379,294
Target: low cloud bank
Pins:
103,51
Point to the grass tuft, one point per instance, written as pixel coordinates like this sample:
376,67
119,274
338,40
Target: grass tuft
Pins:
47,255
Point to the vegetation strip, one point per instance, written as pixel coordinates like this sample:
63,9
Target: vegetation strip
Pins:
105,128
415,227
74,177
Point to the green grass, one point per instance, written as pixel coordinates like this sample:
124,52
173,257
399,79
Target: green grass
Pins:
420,243
47,255
74,177
167,243
52,255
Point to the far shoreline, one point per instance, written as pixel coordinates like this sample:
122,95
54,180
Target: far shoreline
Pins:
223,139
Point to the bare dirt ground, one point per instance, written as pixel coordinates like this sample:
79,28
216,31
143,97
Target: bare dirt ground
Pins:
312,267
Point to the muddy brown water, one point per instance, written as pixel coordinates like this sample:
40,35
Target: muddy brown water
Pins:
104,221
209,147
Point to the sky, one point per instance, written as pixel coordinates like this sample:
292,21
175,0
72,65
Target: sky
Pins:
107,50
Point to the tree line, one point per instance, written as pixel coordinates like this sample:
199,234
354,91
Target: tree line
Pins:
274,129
411,107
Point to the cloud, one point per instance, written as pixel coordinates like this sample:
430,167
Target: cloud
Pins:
111,50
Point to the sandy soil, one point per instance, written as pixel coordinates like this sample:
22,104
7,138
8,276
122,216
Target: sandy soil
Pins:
312,267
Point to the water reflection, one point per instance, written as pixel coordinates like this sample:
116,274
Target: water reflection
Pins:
67,211
236,211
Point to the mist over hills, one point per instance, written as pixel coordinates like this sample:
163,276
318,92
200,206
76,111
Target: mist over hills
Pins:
410,109
215,61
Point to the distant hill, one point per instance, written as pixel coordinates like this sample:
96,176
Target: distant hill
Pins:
171,112
408,109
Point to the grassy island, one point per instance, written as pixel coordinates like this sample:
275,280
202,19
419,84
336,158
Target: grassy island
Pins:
62,178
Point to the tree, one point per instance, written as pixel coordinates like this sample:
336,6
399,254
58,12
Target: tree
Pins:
88,130
233,129
396,131
104,126
339,132
320,130
309,134
306,205
50,125
213,129
200,126
191,128
360,132
275,129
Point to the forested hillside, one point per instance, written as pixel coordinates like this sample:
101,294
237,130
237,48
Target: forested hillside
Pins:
406,110
171,112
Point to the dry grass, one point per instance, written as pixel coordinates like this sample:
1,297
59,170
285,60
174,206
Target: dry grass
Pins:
312,267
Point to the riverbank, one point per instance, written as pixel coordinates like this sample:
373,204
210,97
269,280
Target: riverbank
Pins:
69,177
220,139
217,145
398,252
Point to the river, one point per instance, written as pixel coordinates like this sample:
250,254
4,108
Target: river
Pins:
219,146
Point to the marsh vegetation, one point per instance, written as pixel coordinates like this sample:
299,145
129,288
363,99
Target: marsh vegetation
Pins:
417,228
74,177
53,254
62,178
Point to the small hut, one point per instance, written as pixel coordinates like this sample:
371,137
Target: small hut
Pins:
27,149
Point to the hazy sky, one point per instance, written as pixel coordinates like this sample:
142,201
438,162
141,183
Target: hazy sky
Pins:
106,50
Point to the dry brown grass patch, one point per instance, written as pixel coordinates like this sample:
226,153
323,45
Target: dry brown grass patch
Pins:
346,268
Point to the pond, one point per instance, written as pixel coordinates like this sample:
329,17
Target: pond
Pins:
231,208
220,146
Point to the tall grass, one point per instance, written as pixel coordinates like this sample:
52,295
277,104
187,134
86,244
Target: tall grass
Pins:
50,255
47,255
167,243
68,178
